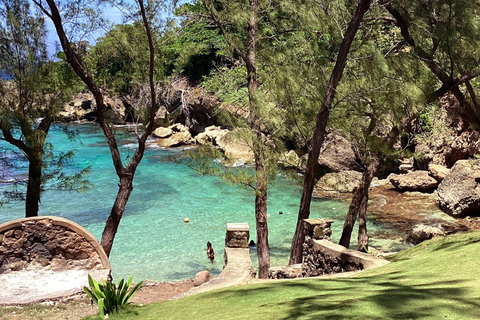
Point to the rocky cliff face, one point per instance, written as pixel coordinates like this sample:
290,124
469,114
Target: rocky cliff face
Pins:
449,139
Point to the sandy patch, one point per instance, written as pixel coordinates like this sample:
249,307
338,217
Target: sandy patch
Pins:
28,286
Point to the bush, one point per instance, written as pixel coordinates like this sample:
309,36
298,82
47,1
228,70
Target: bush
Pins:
109,296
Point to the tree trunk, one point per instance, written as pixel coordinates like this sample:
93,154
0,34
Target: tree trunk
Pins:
116,214
320,128
359,206
261,220
34,186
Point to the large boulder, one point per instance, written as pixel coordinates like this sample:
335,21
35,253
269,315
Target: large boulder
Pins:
201,278
210,135
162,117
459,192
235,147
422,232
180,136
337,183
337,154
162,132
438,172
413,181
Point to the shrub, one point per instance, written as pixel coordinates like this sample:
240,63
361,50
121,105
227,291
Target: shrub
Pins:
109,296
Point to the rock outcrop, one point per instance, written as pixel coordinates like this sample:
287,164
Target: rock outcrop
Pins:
337,183
451,138
82,108
337,154
413,181
459,192
235,147
179,136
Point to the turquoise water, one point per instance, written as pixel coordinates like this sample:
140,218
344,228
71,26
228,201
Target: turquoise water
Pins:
153,242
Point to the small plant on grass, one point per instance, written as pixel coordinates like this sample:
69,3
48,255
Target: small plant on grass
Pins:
110,296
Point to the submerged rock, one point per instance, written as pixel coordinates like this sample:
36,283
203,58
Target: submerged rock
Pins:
459,192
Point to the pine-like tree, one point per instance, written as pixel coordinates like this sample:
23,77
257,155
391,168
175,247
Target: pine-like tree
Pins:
32,92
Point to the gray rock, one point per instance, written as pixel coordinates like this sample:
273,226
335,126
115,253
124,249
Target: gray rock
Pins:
201,278
413,181
459,192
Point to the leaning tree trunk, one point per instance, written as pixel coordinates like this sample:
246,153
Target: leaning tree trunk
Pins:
34,185
116,213
125,174
358,206
320,128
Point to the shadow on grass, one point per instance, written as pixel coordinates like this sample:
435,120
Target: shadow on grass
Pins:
391,299
388,297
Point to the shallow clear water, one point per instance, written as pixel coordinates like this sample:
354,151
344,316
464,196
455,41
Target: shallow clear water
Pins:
153,241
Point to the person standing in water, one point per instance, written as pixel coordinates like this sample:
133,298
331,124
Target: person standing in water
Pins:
210,253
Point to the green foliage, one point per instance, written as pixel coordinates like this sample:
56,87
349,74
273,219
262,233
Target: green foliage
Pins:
425,118
228,84
110,297
194,47
120,57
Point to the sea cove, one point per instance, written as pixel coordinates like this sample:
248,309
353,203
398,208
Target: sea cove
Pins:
153,241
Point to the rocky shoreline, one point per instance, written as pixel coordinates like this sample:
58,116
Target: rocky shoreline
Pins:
441,173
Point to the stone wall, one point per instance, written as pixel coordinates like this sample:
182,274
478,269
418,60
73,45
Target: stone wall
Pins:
322,256
49,242
316,263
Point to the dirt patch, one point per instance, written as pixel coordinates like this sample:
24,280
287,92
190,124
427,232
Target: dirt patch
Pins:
78,307
161,291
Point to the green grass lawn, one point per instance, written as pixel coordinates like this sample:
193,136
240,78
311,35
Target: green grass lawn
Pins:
438,279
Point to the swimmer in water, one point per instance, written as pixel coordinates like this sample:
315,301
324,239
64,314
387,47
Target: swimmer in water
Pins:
210,253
